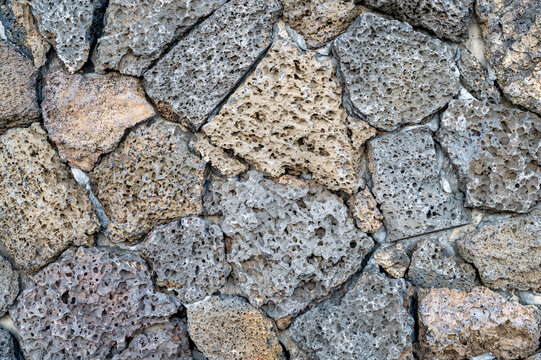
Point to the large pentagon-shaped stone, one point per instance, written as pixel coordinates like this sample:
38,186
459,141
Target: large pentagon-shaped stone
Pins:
190,81
475,78
292,241
7,346
496,151
392,74
9,285
42,209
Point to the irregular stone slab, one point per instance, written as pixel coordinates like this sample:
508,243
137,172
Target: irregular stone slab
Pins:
137,32
228,327
292,241
7,346
496,153
365,211
18,96
507,253
288,115
393,258
226,165
151,179
372,321
188,257
42,209
408,179
455,324
86,302
9,286
187,88
392,74
475,78
512,34
87,116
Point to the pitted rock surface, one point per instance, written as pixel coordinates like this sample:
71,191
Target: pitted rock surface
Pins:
455,324
291,240
228,328
137,32
151,179
226,165
496,152
393,258
187,88
7,346
9,286
87,301
372,321
475,78
392,74
408,179
188,256
87,116
365,211
42,209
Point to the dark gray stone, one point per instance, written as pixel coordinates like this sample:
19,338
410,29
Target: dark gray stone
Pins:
7,346
475,78
9,285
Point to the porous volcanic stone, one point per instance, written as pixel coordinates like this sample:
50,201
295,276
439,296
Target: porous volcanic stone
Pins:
87,301
7,346
392,74
187,88
372,321
137,32
42,209
87,116
291,240
228,328
455,324
365,211
496,151
188,256
408,181
226,165
9,285
151,179
393,258
475,78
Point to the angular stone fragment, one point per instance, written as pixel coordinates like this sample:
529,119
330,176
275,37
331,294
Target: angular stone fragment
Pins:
151,179
393,258
42,209
365,211
392,74
496,152
535,357
372,321
228,328
86,302
9,286
507,253
292,241
456,324
137,32
188,257
7,346
187,88
411,186
475,78
87,116
218,158
512,35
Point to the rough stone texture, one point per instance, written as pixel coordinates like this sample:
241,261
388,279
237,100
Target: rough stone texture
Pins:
87,116
7,346
455,324
227,327
512,34
393,258
9,286
408,182
151,179
18,96
226,165
291,241
188,256
288,115
392,74
371,321
42,209
507,253
535,357
496,152
188,88
364,209
475,78
137,32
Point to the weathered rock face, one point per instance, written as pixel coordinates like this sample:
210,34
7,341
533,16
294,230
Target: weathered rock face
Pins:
364,209
456,324
137,32
507,253
496,151
188,88
226,165
87,116
188,257
227,327
7,346
18,96
371,321
42,209
393,258
291,241
85,302
392,74
475,78
9,286
512,33
151,179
